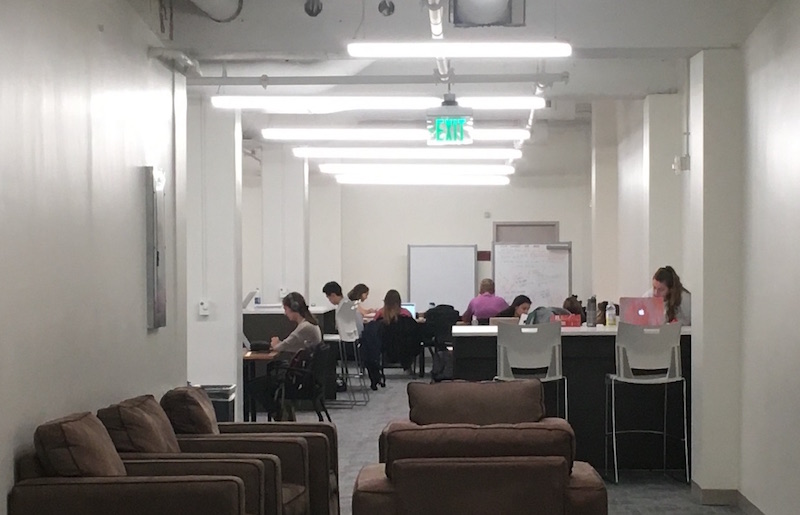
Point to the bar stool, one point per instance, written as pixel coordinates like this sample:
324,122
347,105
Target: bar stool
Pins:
646,356
348,328
531,347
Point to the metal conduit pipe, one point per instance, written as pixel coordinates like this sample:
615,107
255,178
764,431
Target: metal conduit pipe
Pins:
436,15
264,80
221,11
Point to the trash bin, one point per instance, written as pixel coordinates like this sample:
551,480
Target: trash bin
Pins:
223,397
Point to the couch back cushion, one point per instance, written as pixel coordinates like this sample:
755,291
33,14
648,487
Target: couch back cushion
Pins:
77,446
552,437
139,425
462,402
190,411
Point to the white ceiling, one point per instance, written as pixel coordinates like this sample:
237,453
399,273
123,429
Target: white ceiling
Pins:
622,49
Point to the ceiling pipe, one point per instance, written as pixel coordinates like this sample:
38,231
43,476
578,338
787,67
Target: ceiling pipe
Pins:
264,81
436,15
221,11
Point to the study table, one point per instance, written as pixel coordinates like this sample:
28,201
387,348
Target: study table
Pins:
587,356
249,360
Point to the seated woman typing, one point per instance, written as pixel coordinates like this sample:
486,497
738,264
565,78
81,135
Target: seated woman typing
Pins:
307,332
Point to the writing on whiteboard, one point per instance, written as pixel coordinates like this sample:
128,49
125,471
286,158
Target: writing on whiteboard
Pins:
541,273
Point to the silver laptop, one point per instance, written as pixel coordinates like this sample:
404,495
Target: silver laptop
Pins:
247,299
411,307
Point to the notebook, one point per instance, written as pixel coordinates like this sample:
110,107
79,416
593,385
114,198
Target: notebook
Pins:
642,310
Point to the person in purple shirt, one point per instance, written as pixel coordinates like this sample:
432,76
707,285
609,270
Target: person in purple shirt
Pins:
486,304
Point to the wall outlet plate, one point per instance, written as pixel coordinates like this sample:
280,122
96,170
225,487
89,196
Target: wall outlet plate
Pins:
203,308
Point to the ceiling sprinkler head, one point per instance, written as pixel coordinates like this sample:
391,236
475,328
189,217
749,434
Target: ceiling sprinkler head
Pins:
313,7
386,7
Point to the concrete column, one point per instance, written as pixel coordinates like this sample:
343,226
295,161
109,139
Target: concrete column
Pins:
605,249
714,273
285,211
663,139
214,244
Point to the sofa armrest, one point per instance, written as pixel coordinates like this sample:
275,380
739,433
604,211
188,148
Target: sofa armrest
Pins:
586,491
325,428
292,451
251,472
320,482
272,497
186,495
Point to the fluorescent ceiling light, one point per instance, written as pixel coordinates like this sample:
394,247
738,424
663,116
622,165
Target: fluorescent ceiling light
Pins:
368,134
339,104
424,179
386,153
449,49
422,169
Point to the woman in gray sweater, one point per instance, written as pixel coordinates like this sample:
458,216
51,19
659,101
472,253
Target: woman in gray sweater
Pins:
306,334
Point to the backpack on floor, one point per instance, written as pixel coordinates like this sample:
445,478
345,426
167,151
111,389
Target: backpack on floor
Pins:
442,368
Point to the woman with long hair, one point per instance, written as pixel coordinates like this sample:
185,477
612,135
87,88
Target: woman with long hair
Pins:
677,299
519,306
307,332
391,309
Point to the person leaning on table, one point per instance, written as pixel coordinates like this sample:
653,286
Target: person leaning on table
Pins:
677,299
486,304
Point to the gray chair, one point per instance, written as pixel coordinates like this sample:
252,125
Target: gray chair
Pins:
531,347
646,356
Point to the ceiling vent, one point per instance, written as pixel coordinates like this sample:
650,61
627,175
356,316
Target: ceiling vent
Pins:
487,13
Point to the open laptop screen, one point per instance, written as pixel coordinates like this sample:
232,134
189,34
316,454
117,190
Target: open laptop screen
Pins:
411,307
642,310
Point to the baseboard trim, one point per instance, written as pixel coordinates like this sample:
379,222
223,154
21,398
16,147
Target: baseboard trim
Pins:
713,497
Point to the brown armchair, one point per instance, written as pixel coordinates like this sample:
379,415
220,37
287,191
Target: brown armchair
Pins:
140,430
191,413
478,448
77,472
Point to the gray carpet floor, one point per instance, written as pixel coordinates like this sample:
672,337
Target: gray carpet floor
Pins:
637,493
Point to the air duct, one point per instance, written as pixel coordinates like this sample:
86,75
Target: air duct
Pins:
221,11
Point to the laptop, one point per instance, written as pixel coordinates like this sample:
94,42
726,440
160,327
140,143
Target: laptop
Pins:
411,307
248,298
647,311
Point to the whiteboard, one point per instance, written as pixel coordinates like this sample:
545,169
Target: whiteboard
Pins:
543,272
442,274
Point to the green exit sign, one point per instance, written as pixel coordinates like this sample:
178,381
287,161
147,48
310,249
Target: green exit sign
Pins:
450,131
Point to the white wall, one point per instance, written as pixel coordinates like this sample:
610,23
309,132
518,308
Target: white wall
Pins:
605,201
251,232
82,108
634,270
770,380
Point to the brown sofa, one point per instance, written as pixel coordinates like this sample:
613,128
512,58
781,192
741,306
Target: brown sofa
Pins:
141,430
192,417
478,448
77,471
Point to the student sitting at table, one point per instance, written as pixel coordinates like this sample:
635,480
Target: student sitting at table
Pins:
305,335
486,304
677,299
519,306
359,295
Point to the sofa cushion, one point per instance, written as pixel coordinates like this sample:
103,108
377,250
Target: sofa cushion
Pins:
551,437
139,425
77,446
462,402
190,411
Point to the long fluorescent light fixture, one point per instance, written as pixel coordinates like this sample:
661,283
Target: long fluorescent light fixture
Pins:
339,104
382,169
368,134
424,179
407,153
464,50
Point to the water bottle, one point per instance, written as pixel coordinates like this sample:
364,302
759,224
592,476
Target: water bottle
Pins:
474,320
591,311
257,298
611,315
